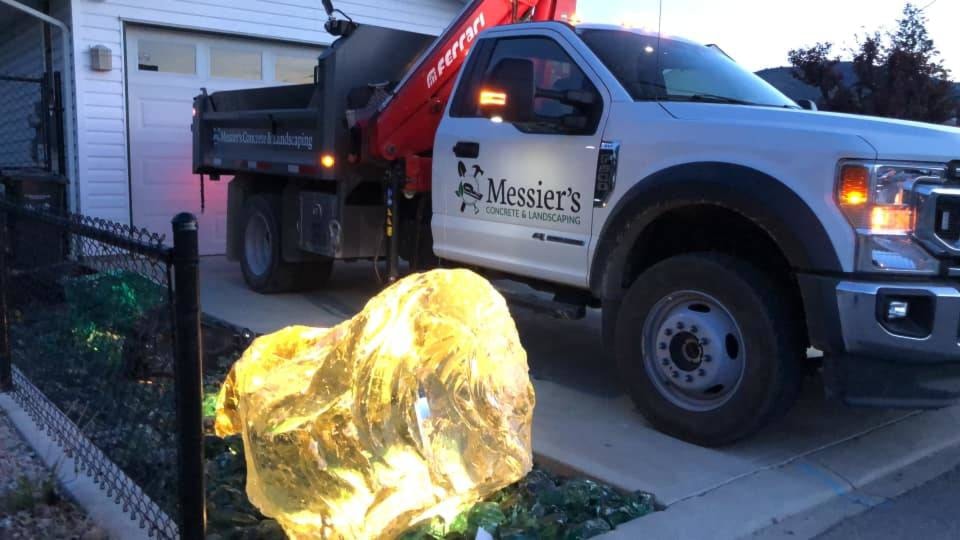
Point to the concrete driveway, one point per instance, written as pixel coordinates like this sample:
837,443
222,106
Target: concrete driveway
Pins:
821,453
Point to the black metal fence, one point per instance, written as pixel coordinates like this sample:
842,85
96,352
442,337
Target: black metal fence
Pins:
31,137
100,342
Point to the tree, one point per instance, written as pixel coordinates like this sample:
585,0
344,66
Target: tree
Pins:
867,66
899,75
815,67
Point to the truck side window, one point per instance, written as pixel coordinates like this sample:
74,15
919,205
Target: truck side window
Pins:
564,100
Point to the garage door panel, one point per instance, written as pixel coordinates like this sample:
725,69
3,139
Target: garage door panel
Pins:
174,171
162,147
165,113
162,200
161,88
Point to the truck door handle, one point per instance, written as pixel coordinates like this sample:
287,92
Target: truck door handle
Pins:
467,150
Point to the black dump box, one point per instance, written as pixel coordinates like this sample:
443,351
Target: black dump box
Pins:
286,130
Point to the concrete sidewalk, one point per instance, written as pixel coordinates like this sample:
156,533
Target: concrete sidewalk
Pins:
821,451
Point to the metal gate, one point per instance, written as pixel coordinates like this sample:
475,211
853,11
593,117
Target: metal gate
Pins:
31,136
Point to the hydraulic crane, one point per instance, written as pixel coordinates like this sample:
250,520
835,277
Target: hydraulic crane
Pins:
405,126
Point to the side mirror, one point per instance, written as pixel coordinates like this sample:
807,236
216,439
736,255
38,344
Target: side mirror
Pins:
509,91
807,104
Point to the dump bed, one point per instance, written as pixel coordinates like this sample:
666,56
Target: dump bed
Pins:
285,130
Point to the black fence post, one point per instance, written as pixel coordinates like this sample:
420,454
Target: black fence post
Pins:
188,376
6,370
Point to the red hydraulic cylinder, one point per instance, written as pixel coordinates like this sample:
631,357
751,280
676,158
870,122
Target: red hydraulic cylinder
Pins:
406,126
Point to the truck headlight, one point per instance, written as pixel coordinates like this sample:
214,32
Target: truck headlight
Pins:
877,200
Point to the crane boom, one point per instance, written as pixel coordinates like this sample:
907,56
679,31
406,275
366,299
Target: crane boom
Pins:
407,123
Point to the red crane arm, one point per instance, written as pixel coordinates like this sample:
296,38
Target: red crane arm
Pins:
406,126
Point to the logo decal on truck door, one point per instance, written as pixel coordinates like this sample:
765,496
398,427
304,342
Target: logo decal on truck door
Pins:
528,203
469,189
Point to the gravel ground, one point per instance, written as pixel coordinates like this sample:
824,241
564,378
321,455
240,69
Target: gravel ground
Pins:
31,504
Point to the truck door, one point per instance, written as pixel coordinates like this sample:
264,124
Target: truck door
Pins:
515,159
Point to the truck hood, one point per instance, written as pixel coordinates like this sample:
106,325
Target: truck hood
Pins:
891,139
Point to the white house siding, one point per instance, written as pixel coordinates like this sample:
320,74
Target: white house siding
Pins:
101,99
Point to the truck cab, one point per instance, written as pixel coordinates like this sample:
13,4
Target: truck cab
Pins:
722,228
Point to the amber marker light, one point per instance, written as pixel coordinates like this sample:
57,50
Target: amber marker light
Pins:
491,97
327,161
854,185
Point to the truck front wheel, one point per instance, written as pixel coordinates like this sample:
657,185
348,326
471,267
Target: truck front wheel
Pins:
708,347
263,266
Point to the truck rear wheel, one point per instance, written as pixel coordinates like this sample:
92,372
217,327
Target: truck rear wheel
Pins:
263,266
708,347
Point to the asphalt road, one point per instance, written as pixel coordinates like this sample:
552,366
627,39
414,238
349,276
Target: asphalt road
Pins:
928,512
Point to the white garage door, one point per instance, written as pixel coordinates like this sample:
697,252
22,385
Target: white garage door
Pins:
165,70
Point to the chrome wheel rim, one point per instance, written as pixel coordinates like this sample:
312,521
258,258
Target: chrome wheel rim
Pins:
693,351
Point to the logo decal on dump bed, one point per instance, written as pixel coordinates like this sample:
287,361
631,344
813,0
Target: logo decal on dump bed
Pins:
559,206
458,48
262,137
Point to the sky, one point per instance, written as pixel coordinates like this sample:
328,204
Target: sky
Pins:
759,33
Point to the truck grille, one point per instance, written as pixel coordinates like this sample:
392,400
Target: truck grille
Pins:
938,218
947,224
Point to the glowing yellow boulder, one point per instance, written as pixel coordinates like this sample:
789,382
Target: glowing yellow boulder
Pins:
419,405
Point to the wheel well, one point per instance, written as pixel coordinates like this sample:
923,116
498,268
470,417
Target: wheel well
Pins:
713,228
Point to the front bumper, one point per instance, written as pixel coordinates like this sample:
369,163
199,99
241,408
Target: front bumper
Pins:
867,331
873,359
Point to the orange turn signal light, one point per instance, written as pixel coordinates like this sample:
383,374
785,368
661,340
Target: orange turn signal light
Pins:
854,185
327,161
891,218
492,97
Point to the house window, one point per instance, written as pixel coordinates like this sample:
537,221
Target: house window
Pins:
166,57
235,64
295,69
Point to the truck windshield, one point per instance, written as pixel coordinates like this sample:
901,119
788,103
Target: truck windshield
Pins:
664,69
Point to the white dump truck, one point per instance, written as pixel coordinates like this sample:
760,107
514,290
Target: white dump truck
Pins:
722,228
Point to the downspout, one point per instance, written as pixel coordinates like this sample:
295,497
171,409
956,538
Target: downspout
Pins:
68,110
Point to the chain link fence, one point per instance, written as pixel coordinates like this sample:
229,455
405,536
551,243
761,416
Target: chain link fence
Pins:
105,355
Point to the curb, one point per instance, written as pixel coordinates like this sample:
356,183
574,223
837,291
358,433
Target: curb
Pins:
838,474
100,508
877,493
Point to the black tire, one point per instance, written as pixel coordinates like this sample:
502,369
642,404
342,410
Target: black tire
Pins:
263,267
769,369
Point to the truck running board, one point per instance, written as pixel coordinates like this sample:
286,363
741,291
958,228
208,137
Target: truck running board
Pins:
558,310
